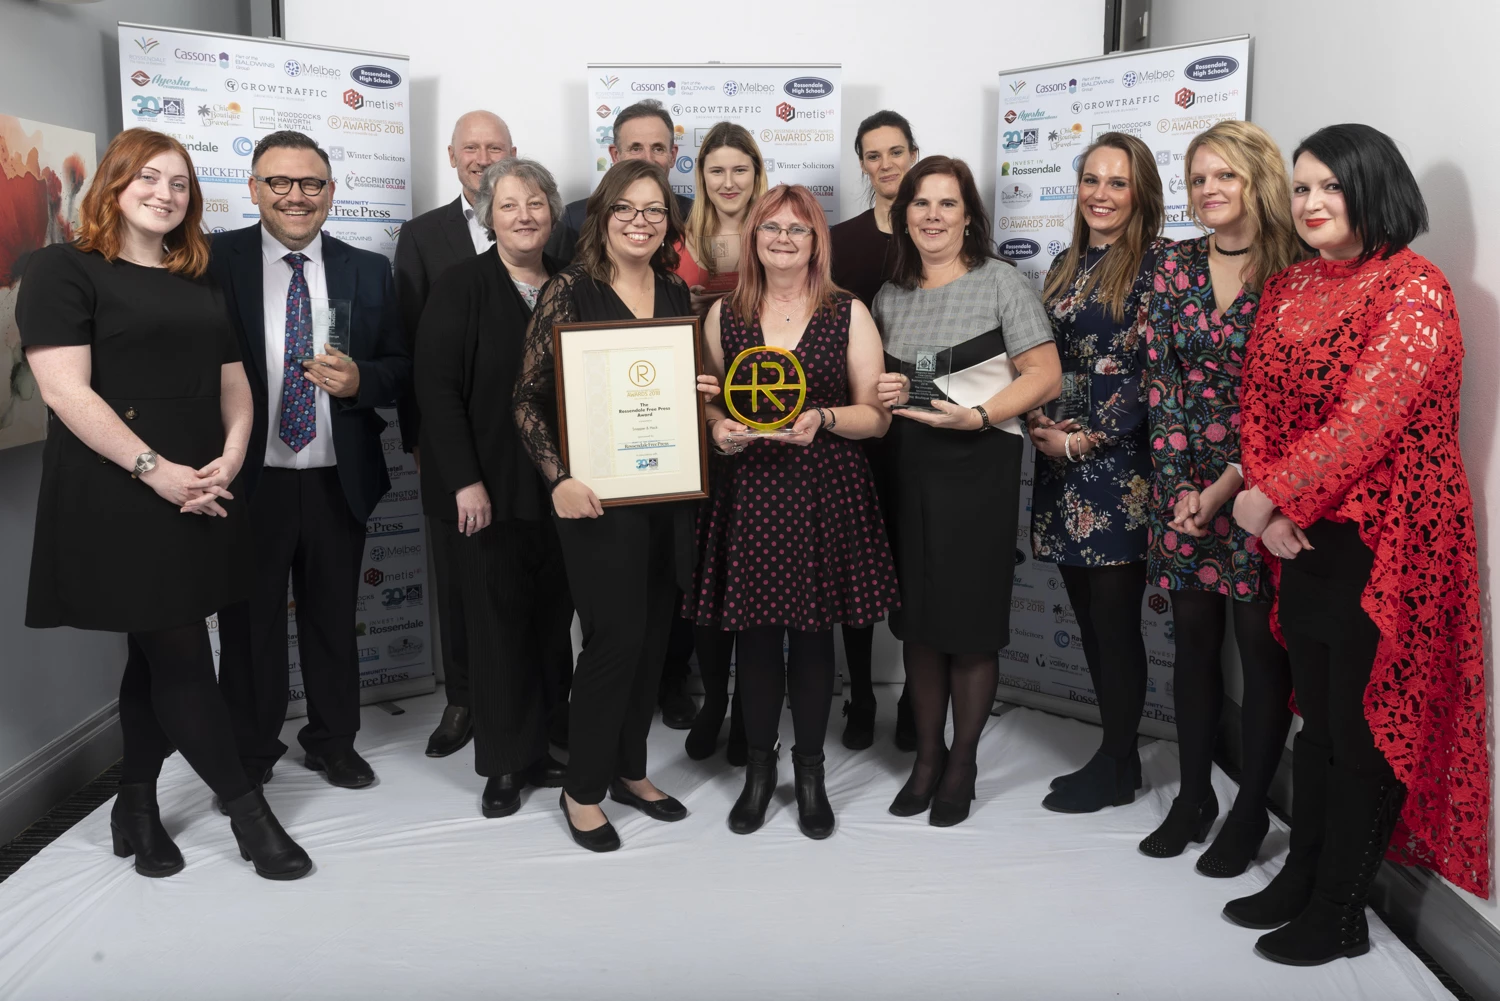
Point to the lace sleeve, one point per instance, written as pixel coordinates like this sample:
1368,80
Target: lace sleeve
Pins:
535,400
1165,401
1255,390
1417,334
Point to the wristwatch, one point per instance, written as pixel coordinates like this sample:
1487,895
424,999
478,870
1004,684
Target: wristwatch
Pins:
144,463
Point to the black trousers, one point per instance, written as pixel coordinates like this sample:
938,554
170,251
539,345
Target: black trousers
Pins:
1331,643
444,537
621,569
301,524
510,578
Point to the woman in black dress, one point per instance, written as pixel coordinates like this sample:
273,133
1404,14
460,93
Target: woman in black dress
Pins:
508,562
624,564
134,356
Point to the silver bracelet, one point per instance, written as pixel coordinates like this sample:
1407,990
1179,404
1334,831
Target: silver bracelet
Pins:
1068,447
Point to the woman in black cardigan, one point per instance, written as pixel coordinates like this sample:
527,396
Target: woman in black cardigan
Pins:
484,486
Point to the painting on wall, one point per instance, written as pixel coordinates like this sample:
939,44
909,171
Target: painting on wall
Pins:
44,171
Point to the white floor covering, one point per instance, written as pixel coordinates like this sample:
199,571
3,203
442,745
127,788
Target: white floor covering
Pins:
416,895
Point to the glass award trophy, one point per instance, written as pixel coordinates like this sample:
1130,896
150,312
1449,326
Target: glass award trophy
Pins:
928,367
1072,404
330,325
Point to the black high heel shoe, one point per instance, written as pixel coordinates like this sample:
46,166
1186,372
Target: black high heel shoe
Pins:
948,813
135,827
909,802
600,839
1186,821
1236,846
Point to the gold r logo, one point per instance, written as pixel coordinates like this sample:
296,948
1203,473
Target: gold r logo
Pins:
642,373
767,389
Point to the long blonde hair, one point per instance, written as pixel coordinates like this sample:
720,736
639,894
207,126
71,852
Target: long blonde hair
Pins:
1114,275
1256,160
703,221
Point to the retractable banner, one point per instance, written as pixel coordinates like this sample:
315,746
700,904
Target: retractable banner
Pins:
218,95
1048,116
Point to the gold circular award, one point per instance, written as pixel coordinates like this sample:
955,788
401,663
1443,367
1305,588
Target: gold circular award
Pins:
764,389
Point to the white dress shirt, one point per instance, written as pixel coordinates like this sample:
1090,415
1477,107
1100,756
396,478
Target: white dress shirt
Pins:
482,241
275,283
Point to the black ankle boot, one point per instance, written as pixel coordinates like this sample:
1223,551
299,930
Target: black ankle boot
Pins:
1135,771
1236,847
1290,891
262,839
1186,821
1362,814
859,731
135,823
912,800
736,750
703,738
749,811
1104,781
906,724
814,812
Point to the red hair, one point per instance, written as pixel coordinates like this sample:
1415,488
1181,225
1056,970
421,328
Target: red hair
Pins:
745,299
100,222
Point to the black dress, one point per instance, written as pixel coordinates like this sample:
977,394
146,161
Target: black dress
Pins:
109,553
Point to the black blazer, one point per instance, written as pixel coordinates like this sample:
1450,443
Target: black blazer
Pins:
469,348
375,343
428,245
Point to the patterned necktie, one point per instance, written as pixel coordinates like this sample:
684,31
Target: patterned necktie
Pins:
299,397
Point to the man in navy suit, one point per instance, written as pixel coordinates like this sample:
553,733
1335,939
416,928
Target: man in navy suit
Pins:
315,467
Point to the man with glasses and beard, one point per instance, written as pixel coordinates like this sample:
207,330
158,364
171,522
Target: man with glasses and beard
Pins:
315,467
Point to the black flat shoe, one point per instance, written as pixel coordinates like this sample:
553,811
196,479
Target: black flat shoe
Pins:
859,731
703,739
257,779
1135,771
666,810
342,767
1236,846
1104,781
1185,822
600,839
546,773
749,811
263,841
135,828
910,801
814,812
678,710
501,796
452,733
950,813
906,724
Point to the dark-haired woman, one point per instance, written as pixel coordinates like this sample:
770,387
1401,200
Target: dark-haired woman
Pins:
625,563
135,358
1093,469
1357,492
956,467
863,259
1204,298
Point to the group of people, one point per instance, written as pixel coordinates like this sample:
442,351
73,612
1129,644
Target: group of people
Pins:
1262,420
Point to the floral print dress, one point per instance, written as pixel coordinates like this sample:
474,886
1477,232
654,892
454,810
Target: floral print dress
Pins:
1194,355
1094,513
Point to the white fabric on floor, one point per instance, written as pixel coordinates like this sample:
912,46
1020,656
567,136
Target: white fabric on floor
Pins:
416,895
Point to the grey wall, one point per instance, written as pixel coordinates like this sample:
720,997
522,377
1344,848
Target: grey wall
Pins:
59,64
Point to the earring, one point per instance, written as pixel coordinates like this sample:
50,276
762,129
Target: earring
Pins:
966,231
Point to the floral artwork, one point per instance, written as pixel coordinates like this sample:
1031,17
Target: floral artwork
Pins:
44,170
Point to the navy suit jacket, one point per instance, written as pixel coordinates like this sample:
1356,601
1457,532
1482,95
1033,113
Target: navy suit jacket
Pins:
376,345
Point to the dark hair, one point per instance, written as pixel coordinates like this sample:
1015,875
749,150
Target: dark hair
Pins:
881,120
977,248
1385,205
287,139
649,108
593,239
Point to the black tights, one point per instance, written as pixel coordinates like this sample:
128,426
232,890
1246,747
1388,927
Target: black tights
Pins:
1107,601
859,645
1198,689
806,673
933,678
169,699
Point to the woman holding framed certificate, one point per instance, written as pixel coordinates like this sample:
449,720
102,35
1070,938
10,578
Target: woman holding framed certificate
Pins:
605,384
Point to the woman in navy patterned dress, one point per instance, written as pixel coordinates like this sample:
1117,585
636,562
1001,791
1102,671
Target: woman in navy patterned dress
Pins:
1204,299
792,541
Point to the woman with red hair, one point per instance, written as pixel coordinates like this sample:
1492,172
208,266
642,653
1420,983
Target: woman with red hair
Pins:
137,531
792,541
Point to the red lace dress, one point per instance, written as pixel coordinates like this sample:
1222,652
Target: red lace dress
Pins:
1350,411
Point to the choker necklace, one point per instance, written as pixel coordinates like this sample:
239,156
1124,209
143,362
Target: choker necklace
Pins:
1230,253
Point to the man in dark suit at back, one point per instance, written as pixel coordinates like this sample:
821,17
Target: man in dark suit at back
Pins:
315,467
428,246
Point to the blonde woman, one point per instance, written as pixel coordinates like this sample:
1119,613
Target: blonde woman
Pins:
731,175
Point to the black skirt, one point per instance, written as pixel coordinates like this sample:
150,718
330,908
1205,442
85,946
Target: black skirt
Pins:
955,508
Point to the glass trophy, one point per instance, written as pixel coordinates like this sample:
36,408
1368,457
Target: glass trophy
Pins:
1072,404
928,367
330,325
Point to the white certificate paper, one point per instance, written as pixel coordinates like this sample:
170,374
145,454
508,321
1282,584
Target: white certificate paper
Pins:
631,402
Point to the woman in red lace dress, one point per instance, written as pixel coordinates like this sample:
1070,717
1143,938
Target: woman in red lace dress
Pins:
1358,494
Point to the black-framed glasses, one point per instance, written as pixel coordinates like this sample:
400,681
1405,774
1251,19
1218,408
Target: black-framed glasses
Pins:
795,233
283,185
627,213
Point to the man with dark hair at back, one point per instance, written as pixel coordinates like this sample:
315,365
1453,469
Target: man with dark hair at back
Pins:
428,246
314,467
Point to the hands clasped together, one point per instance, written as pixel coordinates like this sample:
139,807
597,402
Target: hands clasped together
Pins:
196,491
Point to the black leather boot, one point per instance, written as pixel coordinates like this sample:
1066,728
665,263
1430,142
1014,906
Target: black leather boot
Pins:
1135,772
859,730
1362,814
135,823
262,839
1289,892
1104,781
814,812
1186,821
749,811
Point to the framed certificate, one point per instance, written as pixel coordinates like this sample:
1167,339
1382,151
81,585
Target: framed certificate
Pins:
630,420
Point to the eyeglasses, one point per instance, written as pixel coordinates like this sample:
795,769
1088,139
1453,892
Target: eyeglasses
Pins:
627,213
283,185
796,234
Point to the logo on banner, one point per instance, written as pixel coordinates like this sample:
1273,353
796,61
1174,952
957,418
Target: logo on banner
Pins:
609,81
295,67
392,232
1164,158
1058,192
1211,68
219,114
146,44
1184,98
1054,247
1060,138
404,648
1071,86
379,77
189,56
808,88
335,153
216,205
265,118
243,146
732,88
671,88
785,111
647,88
1017,87
1019,249
1158,604
685,164
1061,638
602,111
140,78
1015,194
